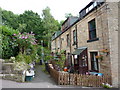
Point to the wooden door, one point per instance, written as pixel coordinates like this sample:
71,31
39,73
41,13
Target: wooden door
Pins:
76,63
83,62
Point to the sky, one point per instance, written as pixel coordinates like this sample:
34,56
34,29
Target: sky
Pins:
58,7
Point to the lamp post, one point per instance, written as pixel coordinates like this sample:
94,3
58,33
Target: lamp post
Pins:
42,58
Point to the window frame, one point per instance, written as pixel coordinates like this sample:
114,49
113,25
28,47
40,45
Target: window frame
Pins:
91,31
74,37
93,61
68,40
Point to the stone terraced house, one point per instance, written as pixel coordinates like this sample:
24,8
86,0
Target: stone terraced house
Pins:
90,41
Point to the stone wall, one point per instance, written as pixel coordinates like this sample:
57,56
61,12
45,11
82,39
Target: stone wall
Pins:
119,45
8,73
14,77
100,16
113,40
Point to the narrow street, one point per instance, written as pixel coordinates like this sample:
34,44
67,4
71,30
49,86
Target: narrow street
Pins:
41,77
41,80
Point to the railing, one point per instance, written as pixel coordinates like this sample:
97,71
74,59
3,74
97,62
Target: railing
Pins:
79,79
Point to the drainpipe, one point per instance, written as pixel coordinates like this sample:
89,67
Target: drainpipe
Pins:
70,48
76,37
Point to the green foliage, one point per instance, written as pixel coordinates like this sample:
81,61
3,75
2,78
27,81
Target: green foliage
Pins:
34,54
9,47
0,45
50,26
8,31
30,21
106,85
10,19
25,58
20,57
62,58
68,15
19,66
24,41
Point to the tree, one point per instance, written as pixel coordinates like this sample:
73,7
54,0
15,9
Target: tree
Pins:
30,21
68,15
10,19
50,25
9,47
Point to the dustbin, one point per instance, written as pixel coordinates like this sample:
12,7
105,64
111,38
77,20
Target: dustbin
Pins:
28,78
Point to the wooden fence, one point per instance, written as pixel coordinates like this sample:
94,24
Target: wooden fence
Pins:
79,79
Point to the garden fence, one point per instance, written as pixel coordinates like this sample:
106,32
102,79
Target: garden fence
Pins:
79,79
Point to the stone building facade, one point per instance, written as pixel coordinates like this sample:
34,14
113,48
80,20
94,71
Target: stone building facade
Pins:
91,42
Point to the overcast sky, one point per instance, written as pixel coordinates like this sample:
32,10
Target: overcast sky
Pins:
58,7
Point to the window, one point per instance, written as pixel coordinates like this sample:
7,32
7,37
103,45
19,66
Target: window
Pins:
76,61
82,13
74,37
68,40
87,10
92,29
94,4
84,60
69,59
94,61
59,43
91,7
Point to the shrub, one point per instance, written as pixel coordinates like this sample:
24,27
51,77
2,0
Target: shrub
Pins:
25,58
24,41
19,66
8,46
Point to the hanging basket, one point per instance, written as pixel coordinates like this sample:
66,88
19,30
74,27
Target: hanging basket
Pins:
100,57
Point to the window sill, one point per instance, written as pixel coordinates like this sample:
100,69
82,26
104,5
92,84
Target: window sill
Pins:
91,40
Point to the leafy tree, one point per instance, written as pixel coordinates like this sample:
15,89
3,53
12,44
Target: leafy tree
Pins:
68,15
10,19
30,21
8,46
50,25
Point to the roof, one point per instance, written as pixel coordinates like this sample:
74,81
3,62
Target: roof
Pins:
79,50
69,18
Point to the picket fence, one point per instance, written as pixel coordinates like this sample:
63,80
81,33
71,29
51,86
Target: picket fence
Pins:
79,79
